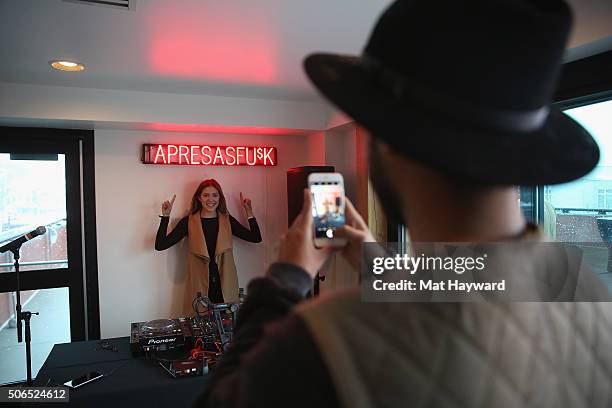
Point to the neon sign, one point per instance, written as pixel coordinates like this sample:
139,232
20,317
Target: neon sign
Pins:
206,155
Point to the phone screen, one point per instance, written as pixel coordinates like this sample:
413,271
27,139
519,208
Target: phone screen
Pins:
83,379
327,207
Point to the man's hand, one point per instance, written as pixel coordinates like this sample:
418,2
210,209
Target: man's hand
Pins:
297,246
356,233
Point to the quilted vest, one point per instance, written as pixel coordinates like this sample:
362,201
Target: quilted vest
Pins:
497,354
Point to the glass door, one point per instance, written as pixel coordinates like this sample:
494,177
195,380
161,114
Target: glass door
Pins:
41,185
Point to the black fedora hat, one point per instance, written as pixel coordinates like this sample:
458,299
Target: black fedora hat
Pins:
466,87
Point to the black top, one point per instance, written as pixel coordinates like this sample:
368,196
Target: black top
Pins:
210,226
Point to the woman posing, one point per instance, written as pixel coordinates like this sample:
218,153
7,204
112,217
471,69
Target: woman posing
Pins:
209,228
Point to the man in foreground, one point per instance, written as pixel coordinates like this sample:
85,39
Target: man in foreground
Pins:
456,97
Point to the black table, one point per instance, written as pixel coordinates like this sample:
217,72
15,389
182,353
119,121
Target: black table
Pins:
135,382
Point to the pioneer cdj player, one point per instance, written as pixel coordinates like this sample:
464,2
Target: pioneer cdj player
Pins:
181,333
160,335
207,333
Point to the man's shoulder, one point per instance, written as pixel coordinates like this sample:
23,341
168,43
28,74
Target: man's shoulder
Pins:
340,299
346,308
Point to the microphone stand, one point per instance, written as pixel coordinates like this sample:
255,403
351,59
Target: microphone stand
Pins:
25,316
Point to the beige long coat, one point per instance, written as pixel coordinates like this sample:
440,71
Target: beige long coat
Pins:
198,262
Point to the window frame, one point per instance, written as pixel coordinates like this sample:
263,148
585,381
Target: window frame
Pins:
582,82
78,145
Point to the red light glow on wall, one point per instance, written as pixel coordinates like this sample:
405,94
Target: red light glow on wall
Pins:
206,155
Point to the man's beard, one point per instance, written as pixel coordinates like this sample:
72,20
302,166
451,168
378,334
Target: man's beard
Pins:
384,189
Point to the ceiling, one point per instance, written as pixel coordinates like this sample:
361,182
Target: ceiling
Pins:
248,48
237,47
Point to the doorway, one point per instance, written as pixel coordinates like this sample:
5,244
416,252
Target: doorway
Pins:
46,179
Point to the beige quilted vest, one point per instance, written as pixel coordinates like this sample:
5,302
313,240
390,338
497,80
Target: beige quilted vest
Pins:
480,354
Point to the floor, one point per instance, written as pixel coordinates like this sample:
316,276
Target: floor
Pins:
51,326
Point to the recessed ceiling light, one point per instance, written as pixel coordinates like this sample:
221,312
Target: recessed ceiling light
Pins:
67,65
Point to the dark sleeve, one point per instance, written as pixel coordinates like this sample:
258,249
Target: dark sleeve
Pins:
273,360
252,235
163,241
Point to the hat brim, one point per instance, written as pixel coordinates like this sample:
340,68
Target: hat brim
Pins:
561,151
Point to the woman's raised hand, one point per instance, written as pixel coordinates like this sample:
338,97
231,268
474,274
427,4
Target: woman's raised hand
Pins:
167,206
246,203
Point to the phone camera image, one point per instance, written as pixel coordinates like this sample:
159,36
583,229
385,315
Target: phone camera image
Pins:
327,208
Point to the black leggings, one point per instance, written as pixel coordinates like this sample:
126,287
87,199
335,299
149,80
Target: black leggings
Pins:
214,283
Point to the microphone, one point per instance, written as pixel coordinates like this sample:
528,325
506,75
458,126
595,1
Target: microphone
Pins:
16,243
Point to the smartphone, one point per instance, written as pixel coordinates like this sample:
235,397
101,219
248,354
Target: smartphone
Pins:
328,205
84,379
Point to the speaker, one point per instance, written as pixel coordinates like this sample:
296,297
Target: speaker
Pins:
297,181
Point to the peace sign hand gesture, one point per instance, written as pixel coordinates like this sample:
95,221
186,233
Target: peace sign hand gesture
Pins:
246,203
167,206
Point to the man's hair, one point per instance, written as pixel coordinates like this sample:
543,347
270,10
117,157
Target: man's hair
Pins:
463,188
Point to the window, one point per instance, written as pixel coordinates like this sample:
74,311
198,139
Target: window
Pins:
581,210
547,194
32,194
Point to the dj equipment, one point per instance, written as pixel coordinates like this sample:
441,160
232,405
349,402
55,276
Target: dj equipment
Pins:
220,317
212,328
185,368
204,337
160,335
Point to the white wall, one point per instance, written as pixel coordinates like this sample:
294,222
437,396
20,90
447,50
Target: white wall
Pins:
29,103
337,118
136,282
591,21
341,152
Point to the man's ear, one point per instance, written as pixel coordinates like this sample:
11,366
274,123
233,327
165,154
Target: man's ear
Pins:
382,149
